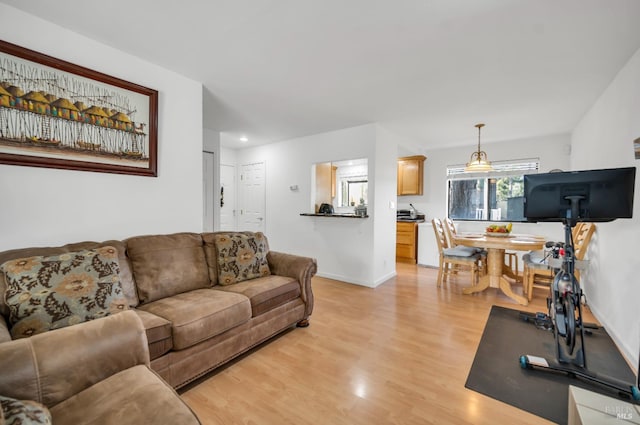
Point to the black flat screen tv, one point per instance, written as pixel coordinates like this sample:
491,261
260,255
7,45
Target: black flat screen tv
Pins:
600,195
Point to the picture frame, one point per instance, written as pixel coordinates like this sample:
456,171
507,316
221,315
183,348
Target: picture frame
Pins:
56,114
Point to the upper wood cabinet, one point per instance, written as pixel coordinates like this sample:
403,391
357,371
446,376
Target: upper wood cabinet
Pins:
410,175
325,183
334,169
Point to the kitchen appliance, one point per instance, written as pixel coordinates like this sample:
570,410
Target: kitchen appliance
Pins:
325,209
360,210
406,215
414,211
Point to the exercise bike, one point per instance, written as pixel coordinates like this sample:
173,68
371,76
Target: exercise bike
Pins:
565,319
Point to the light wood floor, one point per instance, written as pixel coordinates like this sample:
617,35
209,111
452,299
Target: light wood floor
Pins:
396,354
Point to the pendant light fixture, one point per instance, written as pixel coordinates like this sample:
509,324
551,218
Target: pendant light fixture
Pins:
479,162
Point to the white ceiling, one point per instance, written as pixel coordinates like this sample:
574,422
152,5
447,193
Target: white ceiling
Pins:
428,70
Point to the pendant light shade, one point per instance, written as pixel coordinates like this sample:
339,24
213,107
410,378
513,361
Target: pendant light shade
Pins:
478,162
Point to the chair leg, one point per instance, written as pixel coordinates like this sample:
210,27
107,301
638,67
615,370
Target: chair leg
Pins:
439,283
512,262
528,282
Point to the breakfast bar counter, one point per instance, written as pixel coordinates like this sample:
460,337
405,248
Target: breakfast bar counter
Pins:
334,215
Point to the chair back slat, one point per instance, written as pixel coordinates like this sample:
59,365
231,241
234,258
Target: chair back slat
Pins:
450,227
581,239
441,239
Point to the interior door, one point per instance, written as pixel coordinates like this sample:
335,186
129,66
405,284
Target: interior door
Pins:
252,196
227,197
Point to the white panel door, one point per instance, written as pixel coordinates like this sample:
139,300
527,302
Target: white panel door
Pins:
252,196
208,197
227,197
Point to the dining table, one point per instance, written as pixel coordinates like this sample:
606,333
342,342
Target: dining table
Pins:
497,270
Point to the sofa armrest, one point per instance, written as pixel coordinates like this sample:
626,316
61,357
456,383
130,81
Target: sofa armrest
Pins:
5,335
52,366
297,267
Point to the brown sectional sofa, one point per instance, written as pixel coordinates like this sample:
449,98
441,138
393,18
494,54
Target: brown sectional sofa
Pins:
192,323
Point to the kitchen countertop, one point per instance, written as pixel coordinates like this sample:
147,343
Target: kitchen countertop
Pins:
334,215
410,220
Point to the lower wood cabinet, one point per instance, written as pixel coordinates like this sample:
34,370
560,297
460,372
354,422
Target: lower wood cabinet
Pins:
407,242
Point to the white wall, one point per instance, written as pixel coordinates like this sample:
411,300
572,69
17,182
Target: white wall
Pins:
228,156
604,139
384,204
42,206
344,247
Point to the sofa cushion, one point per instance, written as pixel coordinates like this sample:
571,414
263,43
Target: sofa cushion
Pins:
52,292
23,412
200,314
166,265
126,279
265,293
132,396
158,332
241,257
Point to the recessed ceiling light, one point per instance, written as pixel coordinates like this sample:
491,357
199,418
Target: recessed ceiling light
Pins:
244,139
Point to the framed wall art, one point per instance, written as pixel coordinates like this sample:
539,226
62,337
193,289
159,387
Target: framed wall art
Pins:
59,115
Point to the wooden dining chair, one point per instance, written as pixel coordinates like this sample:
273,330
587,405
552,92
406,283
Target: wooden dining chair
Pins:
451,232
538,274
450,257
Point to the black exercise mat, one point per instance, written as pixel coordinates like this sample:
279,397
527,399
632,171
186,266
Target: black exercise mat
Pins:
496,370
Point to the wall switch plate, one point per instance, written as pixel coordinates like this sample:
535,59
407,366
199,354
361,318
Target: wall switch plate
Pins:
392,205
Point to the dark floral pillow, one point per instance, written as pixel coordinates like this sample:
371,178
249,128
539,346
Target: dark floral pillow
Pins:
23,412
45,293
241,256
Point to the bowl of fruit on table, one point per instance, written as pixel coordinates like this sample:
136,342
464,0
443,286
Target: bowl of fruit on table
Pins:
498,230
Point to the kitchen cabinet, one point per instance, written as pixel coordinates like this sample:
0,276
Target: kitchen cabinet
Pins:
333,181
325,183
406,242
411,175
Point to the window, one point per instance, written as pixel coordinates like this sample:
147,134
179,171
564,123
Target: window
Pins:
495,196
343,184
354,192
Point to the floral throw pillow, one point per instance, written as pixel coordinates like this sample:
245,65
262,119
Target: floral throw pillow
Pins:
241,256
23,412
45,293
